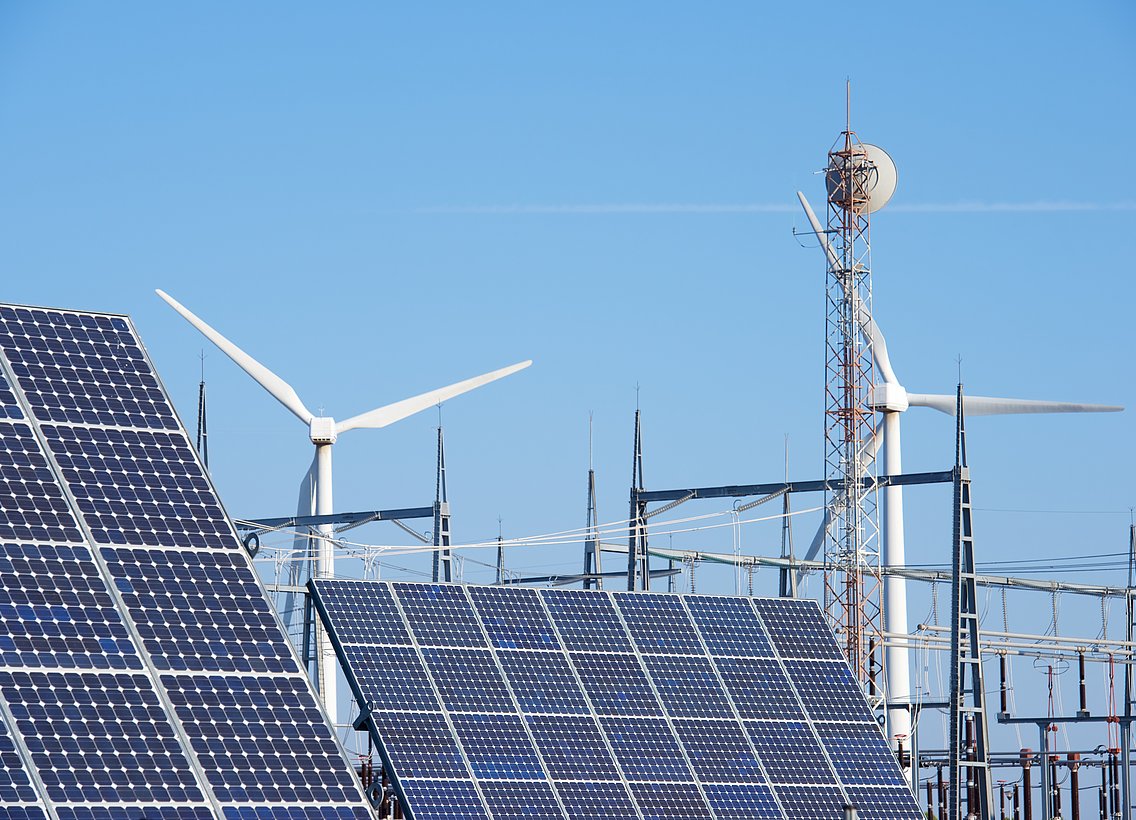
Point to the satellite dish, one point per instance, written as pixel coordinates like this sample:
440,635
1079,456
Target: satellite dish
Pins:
873,179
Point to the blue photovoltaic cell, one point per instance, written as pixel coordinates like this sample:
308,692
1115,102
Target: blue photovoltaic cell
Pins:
884,804
15,784
198,611
514,618
646,749
829,691
521,801
860,754
616,684
719,751
687,686
729,626
666,801
55,611
22,813
439,615
420,744
82,369
497,747
139,488
733,801
468,680
759,688
267,725
658,623
542,682
33,507
797,628
596,799
810,802
789,752
443,800
586,620
364,613
99,737
572,748
392,677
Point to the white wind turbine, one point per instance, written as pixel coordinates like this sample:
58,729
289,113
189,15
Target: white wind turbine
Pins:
315,489
891,399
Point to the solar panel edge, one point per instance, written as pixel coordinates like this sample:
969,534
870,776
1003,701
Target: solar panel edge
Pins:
26,760
151,670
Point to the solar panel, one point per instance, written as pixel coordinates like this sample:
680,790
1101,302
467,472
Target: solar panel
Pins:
562,703
142,671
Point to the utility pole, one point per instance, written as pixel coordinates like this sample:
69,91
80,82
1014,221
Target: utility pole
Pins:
592,552
202,422
638,560
443,565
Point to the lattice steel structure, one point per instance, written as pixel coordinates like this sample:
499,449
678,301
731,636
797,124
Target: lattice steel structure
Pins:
853,581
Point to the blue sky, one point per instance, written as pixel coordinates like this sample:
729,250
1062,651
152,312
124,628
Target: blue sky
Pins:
378,199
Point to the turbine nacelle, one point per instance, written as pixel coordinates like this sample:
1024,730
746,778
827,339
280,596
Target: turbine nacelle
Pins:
889,396
321,430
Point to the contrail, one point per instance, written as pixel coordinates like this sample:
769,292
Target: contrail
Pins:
1041,206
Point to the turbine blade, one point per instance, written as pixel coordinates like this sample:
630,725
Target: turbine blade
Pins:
868,325
276,386
987,406
382,416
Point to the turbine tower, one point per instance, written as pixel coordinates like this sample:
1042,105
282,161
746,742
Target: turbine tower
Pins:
323,431
890,400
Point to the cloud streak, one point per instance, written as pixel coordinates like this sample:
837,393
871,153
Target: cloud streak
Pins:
969,207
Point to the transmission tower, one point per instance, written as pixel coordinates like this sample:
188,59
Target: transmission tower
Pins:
853,580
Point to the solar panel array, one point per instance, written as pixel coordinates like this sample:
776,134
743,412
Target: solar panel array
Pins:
507,702
142,672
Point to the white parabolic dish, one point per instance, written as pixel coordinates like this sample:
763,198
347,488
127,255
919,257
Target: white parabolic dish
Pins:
877,174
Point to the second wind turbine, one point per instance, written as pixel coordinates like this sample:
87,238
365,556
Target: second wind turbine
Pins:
323,431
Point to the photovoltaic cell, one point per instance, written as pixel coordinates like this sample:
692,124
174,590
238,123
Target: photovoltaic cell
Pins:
374,620
620,710
884,804
101,458
444,800
15,783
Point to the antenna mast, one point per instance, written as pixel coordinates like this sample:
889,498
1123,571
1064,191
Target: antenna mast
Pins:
638,562
443,566
592,561
853,581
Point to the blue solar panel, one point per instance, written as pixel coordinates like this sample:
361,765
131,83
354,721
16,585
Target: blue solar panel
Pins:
586,620
468,680
666,801
197,611
33,508
15,783
734,801
759,688
811,802
56,612
688,686
592,799
99,737
498,747
82,369
393,677
616,684
829,691
860,754
543,682
658,623
107,463
514,618
790,752
646,749
719,751
296,813
521,801
374,620
884,804
623,697
729,626
444,800
572,748
797,628
439,615
22,813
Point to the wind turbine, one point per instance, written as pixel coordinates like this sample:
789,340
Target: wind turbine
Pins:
891,400
323,431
